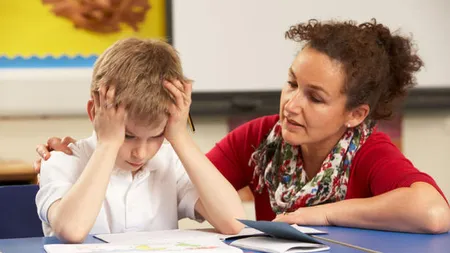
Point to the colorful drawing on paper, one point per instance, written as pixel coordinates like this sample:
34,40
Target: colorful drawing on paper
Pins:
72,33
109,248
168,246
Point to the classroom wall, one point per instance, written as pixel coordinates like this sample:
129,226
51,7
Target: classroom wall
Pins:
426,141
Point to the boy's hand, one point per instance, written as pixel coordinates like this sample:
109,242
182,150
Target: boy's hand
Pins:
109,119
179,111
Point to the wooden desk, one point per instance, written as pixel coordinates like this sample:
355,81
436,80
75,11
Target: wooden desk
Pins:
17,171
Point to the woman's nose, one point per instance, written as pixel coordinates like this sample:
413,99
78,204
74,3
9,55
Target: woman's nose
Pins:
295,102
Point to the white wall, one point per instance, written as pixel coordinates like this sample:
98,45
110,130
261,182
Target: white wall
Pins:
426,141
226,45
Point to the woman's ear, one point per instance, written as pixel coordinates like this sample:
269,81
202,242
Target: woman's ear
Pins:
90,108
357,115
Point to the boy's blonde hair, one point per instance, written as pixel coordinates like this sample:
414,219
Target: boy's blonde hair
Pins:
138,68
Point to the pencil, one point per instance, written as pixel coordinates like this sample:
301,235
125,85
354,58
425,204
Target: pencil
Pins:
191,123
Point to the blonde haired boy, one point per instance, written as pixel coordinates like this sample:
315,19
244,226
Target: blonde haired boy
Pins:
124,177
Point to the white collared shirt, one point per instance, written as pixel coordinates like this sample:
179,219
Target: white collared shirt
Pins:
160,194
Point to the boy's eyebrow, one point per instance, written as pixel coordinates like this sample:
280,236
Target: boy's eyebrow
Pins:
160,133
129,132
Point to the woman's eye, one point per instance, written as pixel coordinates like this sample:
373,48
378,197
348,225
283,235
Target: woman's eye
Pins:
128,136
315,99
292,84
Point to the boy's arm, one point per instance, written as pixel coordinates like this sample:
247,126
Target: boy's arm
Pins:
73,216
219,202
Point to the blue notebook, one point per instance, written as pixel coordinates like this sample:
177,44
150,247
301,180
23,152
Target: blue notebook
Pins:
278,237
280,230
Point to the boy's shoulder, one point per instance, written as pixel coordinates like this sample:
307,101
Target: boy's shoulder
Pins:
69,165
82,149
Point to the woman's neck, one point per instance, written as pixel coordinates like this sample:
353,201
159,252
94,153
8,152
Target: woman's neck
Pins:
314,154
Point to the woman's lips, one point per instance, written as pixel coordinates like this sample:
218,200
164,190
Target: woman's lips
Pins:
293,123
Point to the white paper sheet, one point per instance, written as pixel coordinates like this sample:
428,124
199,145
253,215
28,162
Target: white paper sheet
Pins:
161,246
144,237
308,230
152,236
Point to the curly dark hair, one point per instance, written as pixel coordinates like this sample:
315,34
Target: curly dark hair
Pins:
379,65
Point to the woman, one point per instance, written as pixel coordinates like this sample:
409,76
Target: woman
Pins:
321,161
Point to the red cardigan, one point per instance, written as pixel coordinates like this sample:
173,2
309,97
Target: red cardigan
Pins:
377,167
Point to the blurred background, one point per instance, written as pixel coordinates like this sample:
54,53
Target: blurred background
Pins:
234,50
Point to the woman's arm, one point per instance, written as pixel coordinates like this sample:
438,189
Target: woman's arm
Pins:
419,208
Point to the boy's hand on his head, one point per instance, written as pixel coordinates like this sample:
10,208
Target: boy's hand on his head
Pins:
179,110
109,118
53,143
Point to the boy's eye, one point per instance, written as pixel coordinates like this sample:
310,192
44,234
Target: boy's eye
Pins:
129,136
158,136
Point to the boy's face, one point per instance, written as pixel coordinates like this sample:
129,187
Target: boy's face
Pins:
141,144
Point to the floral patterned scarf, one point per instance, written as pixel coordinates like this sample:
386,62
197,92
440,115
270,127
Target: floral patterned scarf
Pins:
279,167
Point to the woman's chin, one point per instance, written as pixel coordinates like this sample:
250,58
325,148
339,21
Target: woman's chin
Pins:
293,138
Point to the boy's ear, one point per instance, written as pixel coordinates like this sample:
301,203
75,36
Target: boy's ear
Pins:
91,109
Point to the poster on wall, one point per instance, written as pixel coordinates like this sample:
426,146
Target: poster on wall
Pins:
48,48
72,33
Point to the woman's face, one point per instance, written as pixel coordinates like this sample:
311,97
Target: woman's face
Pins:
312,105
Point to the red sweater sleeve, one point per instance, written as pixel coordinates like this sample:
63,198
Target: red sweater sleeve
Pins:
383,168
232,154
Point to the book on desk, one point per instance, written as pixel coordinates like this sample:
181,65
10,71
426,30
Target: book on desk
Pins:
265,236
262,236
280,237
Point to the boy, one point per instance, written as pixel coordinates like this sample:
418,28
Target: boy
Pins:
124,178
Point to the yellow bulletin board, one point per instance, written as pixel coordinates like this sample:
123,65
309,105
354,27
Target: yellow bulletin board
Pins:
32,35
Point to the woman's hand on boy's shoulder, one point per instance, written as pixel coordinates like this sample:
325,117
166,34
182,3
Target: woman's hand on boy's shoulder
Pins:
53,144
179,110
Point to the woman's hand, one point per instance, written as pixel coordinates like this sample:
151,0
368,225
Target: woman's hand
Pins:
53,143
313,216
179,111
109,118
